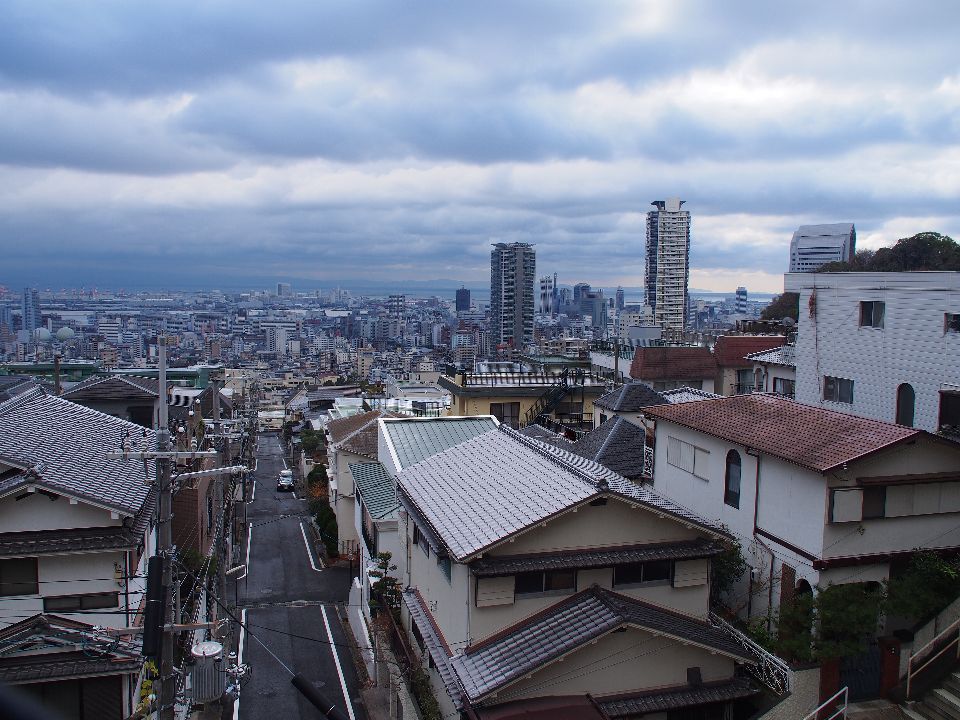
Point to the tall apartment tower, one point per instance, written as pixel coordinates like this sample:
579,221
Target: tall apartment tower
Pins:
815,245
620,300
463,300
740,305
547,291
668,263
512,276
31,309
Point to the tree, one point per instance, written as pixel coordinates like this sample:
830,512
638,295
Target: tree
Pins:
386,587
785,305
923,251
929,584
727,568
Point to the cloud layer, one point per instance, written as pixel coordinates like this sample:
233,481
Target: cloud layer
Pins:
323,143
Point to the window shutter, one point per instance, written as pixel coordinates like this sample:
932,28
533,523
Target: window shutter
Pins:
495,591
688,573
847,505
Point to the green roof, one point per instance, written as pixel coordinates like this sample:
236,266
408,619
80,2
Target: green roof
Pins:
414,440
376,489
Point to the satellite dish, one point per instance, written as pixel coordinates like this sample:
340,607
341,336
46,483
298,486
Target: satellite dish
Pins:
788,322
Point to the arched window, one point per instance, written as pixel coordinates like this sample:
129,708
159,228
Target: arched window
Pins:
905,402
731,480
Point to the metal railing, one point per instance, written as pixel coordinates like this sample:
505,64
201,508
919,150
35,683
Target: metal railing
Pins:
836,705
769,669
917,664
743,388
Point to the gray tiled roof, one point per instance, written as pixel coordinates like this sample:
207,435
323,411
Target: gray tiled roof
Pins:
114,386
687,394
617,444
489,665
631,397
13,385
664,700
434,643
490,566
62,447
538,432
413,440
376,488
485,489
83,652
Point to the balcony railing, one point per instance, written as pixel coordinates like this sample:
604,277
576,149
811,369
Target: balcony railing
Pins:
525,379
743,388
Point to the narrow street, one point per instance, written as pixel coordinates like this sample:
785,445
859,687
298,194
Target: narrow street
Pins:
287,599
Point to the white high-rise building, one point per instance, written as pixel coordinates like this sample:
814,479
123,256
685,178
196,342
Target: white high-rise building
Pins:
512,276
813,246
668,263
741,302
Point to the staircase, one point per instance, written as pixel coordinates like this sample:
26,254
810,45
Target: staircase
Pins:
548,401
940,703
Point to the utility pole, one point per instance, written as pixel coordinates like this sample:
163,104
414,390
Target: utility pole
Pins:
168,680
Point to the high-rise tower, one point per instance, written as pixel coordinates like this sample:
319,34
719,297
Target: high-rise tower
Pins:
668,263
31,309
512,276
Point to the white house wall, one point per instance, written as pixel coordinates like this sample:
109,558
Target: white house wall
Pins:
38,511
912,347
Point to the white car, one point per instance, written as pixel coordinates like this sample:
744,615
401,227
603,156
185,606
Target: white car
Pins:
285,481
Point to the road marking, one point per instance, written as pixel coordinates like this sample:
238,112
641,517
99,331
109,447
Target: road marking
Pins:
243,623
253,493
247,562
336,660
309,552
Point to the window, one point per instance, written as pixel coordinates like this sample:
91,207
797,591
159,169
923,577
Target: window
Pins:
951,322
687,457
731,480
645,572
420,539
18,577
784,386
552,581
871,314
67,603
837,389
874,502
949,412
905,403
507,413
444,565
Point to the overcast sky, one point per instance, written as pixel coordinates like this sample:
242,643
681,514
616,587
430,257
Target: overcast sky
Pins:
223,144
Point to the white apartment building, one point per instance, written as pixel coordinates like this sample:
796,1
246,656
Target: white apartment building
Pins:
668,263
813,246
881,345
512,273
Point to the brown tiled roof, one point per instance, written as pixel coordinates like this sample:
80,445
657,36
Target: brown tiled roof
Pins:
731,349
360,435
808,436
673,363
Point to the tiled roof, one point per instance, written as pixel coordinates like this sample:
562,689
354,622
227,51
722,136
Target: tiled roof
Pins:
785,355
687,394
673,363
518,650
542,434
631,397
731,350
62,447
114,386
413,440
82,651
486,489
617,444
664,700
808,436
377,489
13,385
358,433
492,566
435,644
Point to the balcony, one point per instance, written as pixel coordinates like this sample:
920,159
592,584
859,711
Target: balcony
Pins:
742,388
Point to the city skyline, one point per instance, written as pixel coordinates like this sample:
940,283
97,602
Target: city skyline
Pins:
188,147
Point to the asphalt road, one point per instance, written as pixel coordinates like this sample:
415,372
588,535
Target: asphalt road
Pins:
289,602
